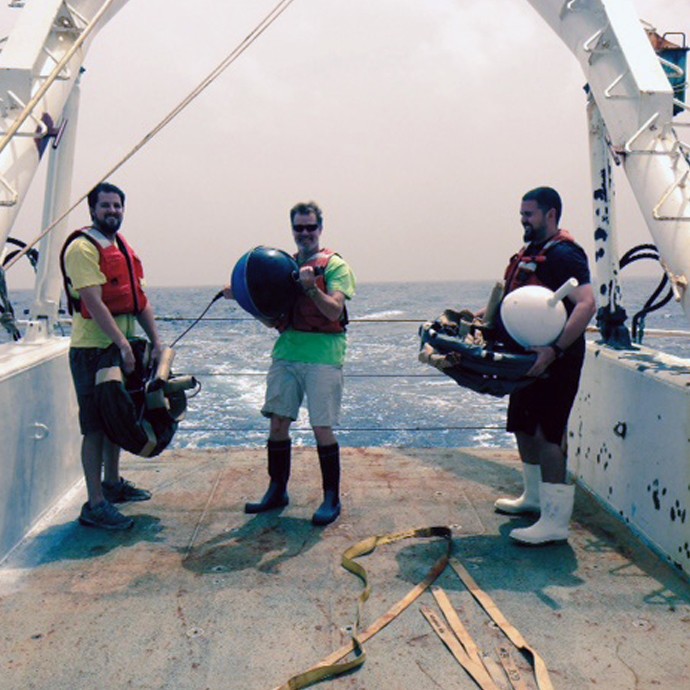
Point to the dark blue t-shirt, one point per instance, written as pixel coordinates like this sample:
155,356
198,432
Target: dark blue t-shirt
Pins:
564,260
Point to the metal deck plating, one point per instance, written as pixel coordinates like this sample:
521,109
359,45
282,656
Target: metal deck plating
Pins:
200,595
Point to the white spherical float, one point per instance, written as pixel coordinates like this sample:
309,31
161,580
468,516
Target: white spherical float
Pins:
534,316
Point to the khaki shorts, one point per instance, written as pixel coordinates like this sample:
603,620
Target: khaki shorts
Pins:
288,382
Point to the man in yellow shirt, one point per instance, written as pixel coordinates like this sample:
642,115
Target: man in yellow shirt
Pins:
104,284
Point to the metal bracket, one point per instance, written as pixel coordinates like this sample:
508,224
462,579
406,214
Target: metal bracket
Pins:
568,6
680,182
14,196
75,13
647,125
608,91
42,127
65,75
679,284
589,45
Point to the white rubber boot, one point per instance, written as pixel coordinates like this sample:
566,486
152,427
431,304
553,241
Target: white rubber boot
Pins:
529,501
556,509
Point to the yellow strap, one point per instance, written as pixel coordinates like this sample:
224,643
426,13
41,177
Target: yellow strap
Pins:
330,666
108,374
156,400
473,667
459,642
485,601
476,666
150,444
512,671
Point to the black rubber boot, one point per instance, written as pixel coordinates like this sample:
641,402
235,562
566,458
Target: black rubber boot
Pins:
329,510
279,471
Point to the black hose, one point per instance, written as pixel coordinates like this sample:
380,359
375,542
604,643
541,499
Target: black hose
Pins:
646,251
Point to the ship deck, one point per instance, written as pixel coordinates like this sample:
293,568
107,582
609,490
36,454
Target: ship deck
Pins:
200,595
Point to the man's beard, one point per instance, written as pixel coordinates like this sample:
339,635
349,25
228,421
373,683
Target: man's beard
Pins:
532,235
108,228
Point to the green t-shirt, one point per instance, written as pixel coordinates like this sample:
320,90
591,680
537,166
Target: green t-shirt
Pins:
82,264
320,348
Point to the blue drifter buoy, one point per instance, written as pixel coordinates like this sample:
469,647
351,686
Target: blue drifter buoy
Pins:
264,283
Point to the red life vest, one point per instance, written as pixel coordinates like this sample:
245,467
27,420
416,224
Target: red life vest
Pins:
305,315
122,292
522,269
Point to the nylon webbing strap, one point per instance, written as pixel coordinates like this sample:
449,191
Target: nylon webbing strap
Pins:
473,667
330,666
454,635
540,671
108,374
512,671
471,659
150,444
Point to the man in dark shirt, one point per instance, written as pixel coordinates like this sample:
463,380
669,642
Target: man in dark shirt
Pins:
538,414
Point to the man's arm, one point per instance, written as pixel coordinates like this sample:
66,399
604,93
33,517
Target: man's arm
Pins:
92,297
147,321
585,308
331,305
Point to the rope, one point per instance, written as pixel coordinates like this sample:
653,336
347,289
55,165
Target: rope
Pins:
349,376
305,429
198,318
212,76
251,318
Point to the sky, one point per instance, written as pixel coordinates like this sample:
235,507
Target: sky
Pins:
417,125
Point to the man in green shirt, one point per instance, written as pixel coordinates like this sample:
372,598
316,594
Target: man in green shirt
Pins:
104,282
307,360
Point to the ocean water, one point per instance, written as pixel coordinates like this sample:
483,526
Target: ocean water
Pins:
390,398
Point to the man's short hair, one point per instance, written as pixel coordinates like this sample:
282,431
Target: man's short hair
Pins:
546,198
106,188
304,209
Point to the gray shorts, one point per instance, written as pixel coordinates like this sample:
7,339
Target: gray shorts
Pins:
288,382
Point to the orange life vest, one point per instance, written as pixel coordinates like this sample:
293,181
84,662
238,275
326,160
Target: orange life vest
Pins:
305,315
522,269
122,292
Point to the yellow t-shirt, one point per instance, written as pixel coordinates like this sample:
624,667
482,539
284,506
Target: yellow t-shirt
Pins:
82,265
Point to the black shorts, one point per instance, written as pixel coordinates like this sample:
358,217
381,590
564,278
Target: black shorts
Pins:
546,403
83,363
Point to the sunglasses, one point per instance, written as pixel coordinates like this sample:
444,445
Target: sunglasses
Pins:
311,227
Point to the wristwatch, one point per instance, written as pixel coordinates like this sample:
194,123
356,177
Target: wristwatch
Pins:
558,351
